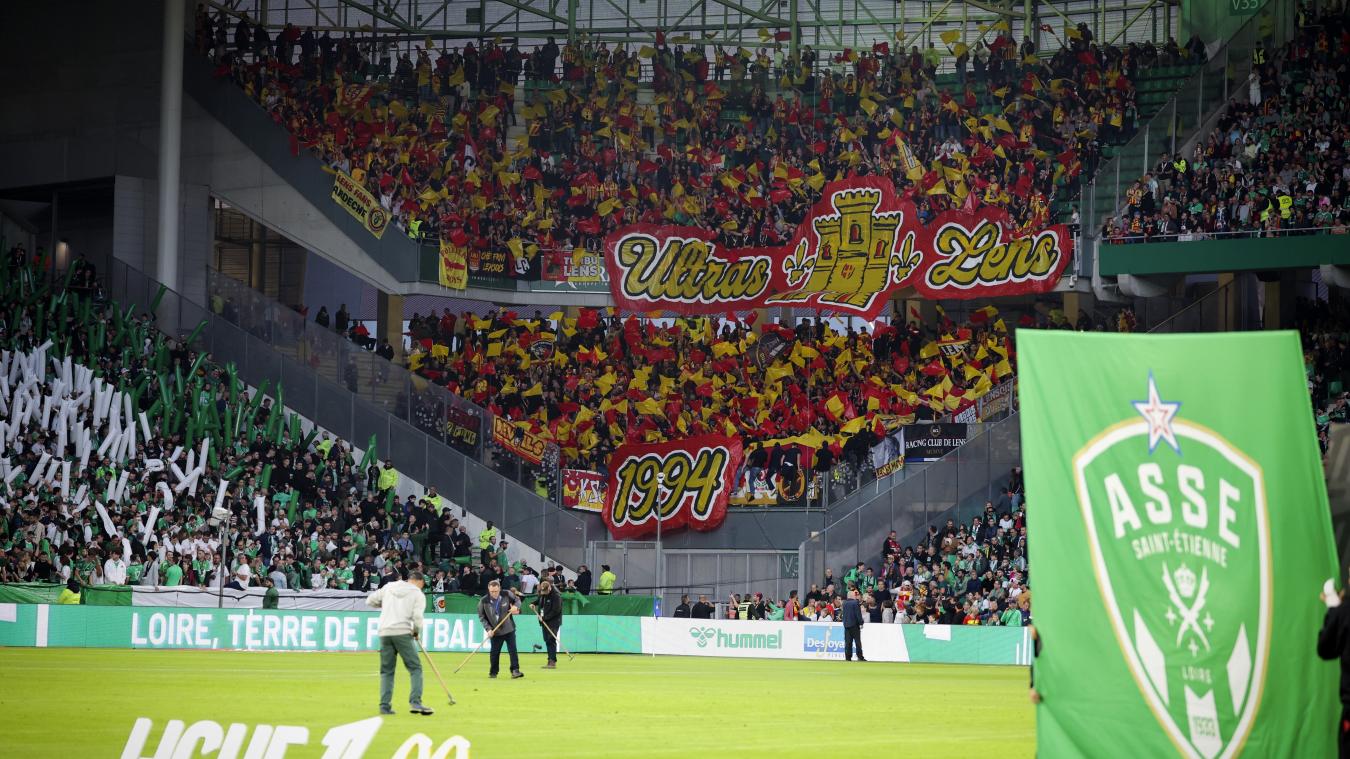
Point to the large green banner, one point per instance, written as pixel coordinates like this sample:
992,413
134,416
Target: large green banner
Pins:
1179,537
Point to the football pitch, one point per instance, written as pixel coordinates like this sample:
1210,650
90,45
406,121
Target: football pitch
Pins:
85,702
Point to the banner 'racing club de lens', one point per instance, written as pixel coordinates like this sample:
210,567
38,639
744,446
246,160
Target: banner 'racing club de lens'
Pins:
860,243
689,480
1181,538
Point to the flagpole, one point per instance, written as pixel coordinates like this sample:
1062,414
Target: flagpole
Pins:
224,562
656,571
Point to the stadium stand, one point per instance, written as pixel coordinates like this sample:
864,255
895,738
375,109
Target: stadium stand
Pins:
613,380
977,574
310,515
972,574
738,144
1275,163
1325,330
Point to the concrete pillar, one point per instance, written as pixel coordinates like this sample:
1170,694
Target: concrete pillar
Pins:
1226,314
170,142
1074,302
1270,312
1277,310
256,259
389,321
762,317
926,310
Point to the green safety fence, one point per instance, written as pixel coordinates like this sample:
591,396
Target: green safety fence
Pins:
961,644
30,592
106,596
149,627
49,592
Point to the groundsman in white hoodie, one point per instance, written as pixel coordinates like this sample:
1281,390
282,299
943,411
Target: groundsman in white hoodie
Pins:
401,606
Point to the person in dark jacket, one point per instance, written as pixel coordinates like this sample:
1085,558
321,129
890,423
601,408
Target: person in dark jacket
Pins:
584,581
682,611
853,622
494,612
549,609
1036,654
1333,642
702,609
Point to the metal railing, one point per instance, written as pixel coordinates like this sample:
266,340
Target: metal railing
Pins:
1227,306
955,487
310,390
649,568
432,409
1237,234
848,479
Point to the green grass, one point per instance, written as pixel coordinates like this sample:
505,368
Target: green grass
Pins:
83,702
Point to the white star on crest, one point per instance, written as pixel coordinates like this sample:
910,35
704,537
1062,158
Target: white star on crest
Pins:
1159,415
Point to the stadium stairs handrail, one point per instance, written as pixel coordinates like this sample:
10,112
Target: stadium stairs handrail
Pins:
990,454
1194,316
292,332
521,515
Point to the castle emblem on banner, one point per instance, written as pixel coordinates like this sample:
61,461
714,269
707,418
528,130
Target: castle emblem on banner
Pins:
857,254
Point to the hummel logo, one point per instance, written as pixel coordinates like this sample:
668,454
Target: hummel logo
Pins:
702,635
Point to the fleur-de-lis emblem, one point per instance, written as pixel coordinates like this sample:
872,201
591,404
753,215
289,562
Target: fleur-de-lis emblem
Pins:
904,260
798,264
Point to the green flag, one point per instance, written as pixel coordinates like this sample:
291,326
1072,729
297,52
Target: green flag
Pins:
1179,538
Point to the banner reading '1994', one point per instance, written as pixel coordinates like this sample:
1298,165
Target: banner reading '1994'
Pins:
859,243
1179,546
688,480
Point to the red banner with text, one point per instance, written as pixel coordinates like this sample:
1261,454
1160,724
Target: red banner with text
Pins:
688,480
517,440
584,490
860,243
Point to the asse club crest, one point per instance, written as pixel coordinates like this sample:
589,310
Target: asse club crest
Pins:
1180,541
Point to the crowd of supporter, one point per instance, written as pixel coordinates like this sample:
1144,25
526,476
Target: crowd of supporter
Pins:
735,142
328,522
594,382
1275,163
1324,327
972,574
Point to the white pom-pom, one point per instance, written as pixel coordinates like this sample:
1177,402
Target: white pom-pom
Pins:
163,488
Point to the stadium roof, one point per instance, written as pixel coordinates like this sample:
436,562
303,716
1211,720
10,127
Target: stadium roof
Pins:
823,24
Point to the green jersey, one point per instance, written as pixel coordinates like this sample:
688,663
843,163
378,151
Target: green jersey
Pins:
173,575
